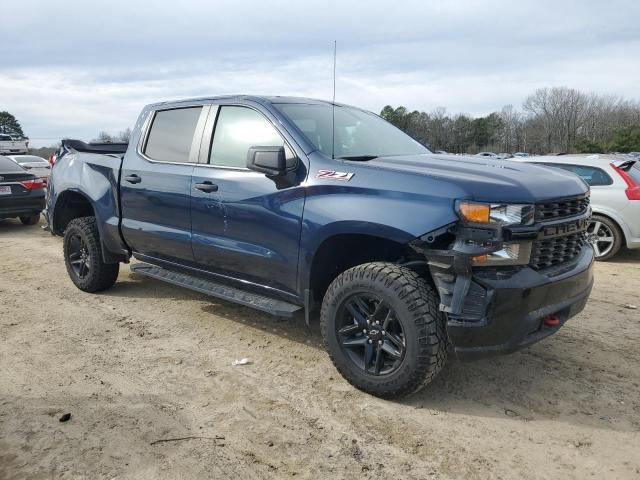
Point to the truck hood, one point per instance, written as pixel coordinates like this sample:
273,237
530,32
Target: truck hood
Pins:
488,180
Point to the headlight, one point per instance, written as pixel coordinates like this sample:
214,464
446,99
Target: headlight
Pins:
498,214
516,253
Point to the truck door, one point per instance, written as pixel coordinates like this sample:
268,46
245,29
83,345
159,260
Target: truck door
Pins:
250,228
156,185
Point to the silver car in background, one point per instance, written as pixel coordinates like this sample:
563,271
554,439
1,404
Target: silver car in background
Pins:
39,166
615,197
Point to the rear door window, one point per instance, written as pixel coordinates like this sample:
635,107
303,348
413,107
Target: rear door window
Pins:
171,134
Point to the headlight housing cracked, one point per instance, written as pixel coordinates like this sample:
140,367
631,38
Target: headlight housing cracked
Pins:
498,215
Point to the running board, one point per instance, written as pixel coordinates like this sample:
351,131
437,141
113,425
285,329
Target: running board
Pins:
259,302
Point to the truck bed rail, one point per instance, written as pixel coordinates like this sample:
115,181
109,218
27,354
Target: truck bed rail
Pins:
102,148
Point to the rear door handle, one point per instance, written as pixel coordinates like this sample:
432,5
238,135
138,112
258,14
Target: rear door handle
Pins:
206,187
133,179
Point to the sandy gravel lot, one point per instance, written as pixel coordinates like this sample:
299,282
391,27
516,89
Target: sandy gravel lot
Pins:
147,362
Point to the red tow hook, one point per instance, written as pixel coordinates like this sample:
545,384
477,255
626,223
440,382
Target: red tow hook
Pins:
551,320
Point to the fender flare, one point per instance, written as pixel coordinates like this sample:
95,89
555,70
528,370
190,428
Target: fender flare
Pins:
313,241
107,255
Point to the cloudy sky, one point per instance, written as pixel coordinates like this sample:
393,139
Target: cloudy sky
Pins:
72,68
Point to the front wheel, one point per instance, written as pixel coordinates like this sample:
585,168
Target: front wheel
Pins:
383,330
83,256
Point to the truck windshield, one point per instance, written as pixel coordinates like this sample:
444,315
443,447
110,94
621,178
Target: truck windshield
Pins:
359,135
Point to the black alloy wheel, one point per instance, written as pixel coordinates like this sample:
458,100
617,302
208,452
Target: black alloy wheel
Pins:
83,256
370,334
79,257
383,330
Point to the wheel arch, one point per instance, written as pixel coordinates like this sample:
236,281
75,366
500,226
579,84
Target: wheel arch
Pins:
71,204
617,220
347,247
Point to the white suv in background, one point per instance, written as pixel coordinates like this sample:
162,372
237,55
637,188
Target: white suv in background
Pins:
615,197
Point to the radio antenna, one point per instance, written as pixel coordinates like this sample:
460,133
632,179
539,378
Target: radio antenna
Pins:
333,104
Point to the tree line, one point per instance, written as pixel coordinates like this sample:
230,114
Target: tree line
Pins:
121,137
551,120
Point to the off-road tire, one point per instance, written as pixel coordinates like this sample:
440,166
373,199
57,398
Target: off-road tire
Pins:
101,275
30,219
416,307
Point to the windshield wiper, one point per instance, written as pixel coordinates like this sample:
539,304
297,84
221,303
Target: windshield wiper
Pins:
362,158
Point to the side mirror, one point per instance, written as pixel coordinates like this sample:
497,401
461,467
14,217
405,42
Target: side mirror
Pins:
269,160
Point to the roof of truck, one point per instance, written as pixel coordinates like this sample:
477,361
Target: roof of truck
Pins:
254,98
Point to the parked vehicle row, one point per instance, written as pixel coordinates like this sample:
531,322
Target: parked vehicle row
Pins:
34,164
21,193
497,156
615,197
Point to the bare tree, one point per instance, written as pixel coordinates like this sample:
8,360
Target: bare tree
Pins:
124,135
557,119
104,137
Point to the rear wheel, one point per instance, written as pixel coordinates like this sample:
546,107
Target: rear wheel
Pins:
383,330
605,236
83,256
30,219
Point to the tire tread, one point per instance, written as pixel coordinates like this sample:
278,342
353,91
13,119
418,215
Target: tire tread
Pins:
421,301
103,275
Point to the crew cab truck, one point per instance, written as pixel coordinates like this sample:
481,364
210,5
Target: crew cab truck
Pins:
288,204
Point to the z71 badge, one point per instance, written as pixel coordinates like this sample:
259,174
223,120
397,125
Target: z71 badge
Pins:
333,175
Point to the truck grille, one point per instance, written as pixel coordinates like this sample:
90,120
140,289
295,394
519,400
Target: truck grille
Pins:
553,251
564,207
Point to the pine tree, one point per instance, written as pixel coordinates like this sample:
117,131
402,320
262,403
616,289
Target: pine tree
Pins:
9,125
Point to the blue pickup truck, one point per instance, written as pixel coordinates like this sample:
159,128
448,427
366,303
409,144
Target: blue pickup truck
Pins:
286,204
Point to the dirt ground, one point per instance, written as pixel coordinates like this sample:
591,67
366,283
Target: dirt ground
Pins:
145,371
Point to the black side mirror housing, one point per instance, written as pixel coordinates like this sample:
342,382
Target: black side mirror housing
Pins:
269,160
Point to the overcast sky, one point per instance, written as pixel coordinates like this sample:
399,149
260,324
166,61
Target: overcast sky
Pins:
72,68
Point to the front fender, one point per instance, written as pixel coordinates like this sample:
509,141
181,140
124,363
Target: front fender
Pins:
331,211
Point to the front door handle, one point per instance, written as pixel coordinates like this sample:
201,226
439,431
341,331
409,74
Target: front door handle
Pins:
133,178
206,187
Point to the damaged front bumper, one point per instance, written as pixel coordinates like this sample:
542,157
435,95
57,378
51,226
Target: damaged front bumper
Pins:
497,310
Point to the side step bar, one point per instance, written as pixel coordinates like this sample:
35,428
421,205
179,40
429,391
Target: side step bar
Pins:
218,290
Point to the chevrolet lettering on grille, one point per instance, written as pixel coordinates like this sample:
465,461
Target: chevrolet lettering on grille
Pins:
564,228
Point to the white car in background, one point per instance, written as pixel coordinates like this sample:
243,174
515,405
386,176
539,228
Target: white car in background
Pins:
9,144
615,197
33,164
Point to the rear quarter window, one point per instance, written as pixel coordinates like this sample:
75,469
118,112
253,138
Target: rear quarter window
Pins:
594,176
634,172
171,134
